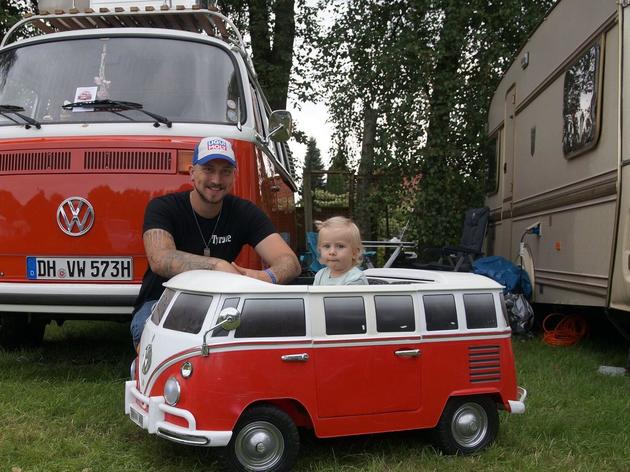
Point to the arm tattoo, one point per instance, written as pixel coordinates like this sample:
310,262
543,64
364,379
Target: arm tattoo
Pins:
166,260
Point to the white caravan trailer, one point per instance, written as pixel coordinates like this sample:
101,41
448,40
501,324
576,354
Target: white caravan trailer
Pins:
560,149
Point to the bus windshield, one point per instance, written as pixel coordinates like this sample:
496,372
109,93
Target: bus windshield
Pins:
184,81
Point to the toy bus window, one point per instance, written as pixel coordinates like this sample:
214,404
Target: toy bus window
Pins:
440,312
480,311
394,313
581,105
344,315
491,154
227,303
188,313
272,318
162,304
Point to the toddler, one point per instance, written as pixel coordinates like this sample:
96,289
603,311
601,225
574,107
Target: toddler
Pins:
340,250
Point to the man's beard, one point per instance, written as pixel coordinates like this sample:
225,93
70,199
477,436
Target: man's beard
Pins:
206,200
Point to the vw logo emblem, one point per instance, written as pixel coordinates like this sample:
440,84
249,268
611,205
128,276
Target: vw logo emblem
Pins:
75,216
147,360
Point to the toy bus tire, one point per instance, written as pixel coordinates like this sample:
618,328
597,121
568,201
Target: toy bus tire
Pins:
467,425
265,439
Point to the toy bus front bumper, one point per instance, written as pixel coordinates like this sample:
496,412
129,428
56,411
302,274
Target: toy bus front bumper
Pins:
153,420
518,406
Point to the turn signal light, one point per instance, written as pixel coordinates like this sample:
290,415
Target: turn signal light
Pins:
184,161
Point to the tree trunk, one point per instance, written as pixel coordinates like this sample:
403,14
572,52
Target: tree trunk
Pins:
273,55
366,169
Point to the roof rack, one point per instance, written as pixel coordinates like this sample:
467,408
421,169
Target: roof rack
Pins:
197,20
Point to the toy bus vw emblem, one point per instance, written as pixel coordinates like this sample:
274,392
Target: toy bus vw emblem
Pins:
146,364
75,216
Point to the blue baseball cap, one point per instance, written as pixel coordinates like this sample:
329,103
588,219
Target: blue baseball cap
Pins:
212,148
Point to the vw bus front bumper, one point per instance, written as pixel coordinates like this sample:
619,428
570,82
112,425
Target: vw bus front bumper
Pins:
518,406
153,420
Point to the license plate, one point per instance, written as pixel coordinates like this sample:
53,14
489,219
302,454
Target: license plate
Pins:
136,417
79,268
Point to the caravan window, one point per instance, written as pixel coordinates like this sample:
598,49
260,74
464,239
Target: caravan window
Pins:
582,91
491,154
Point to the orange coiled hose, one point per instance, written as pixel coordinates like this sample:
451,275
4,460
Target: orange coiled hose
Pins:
567,332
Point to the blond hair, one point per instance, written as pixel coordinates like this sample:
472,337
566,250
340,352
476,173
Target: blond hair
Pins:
341,222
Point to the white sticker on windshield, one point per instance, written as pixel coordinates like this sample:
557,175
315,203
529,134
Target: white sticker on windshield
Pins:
84,94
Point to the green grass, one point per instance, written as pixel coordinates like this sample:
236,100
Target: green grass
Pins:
61,409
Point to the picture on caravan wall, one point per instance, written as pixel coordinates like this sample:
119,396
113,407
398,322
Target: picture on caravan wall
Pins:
581,82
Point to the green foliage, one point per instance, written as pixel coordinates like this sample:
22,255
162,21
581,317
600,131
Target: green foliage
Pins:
11,12
427,68
323,198
313,161
275,27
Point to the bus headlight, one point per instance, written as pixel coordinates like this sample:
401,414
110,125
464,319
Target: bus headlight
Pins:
171,391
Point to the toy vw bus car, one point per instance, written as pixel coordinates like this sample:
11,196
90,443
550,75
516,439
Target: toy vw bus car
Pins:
227,360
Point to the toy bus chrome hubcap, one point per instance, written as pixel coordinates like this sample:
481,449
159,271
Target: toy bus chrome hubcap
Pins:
469,425
259,445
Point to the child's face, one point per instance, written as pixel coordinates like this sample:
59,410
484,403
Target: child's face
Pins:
336,251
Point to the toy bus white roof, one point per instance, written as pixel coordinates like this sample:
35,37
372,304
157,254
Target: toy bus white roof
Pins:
394,280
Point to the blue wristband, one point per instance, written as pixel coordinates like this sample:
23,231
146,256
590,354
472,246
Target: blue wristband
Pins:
271,275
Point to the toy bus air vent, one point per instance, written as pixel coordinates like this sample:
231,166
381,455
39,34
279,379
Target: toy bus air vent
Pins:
485,363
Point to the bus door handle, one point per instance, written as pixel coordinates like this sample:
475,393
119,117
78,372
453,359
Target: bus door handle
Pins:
295,357
408,353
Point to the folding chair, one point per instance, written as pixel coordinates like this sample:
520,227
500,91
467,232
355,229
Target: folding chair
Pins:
460,258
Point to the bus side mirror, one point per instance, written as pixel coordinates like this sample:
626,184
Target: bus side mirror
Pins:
281,126
229,319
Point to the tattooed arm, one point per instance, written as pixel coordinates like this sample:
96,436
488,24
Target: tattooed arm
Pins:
166,261
280,258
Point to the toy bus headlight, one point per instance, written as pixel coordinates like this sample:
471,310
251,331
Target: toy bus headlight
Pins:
186,370
132,369
171,391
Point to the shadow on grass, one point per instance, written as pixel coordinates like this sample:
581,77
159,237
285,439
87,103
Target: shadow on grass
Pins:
92,350
367,452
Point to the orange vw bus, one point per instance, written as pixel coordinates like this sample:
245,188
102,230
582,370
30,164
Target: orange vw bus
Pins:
99,112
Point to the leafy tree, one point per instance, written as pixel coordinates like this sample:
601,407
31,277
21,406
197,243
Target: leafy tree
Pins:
313,161
273,26
338,183
411,80
11,12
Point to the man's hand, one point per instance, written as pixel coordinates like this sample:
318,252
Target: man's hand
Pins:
254,274
279,257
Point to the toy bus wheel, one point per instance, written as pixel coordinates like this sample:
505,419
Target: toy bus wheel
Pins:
265,439
467,425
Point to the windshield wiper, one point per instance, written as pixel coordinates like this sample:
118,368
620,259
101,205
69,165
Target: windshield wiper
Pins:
15,110
115,106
